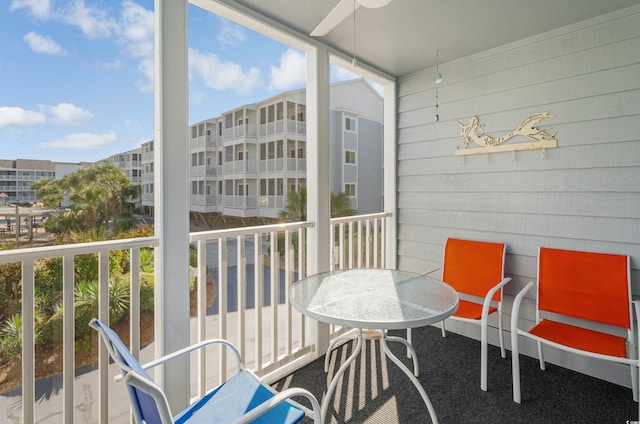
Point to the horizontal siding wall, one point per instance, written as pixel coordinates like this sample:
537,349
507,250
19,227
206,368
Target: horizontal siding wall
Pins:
582,195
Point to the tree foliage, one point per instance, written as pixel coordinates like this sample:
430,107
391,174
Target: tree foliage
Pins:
341,205
98,197
296,207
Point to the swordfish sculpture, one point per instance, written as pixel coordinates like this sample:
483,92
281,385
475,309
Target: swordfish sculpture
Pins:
473,132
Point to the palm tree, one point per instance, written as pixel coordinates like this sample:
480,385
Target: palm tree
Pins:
296,207
98,196
341,205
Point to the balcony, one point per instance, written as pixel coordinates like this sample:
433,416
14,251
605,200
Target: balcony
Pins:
280,165
245,263
249,166
275,341
582,195
209,141
239,132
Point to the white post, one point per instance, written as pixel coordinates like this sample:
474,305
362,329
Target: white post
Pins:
171,201
389,173
318,191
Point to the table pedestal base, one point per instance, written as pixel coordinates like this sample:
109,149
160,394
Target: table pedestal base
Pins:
383,342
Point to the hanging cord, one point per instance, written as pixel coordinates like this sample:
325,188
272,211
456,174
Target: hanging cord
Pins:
437,117
354,61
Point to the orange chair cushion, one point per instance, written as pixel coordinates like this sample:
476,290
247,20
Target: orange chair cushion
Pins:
590,286
473,267
471,310
581,338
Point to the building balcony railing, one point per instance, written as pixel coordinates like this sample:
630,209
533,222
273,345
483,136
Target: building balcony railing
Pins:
271,202
240,202
240,167
239,131
204,170
281,165
210,141
251,270
205,199
278,127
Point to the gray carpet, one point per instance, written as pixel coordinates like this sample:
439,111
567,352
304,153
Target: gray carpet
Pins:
374,390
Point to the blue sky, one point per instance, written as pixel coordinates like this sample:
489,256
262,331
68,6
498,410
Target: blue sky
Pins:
76,76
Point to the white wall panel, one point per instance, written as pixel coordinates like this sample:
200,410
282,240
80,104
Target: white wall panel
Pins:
582,195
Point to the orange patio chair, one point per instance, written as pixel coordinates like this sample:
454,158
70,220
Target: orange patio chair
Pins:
584,307
475,269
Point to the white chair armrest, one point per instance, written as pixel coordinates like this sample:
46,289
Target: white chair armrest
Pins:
487,299
515,311
191,348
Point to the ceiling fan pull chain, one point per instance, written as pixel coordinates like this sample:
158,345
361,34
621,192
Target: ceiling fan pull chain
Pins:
354,61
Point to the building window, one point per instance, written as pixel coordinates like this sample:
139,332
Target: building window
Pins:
350,156
194,159
194,187
349,123
350,190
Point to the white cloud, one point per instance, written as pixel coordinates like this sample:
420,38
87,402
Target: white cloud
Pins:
223,75
43,44
145,69
84,141
136,30
231,34
292,71
136,33
132,123
67,114
107,66
17,116
93,22
40,9
133,29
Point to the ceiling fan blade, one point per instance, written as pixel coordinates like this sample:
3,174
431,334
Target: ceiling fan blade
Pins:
337,15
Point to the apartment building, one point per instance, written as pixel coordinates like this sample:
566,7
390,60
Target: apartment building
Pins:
244,162
16,177
131,163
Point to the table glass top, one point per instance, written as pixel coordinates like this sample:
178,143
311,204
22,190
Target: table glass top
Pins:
374,298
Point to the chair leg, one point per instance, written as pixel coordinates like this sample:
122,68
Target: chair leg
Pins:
541,357
483,354
634,382
637,371
515,367
503,352
444,331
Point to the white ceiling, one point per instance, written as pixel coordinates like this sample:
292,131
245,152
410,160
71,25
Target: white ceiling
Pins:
403,36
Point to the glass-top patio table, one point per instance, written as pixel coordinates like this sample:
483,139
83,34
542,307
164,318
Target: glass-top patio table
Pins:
378,299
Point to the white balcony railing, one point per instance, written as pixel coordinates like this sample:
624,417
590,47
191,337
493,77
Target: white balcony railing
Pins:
251,269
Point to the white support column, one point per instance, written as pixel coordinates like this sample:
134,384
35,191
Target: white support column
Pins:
389,172
171,196
318,190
